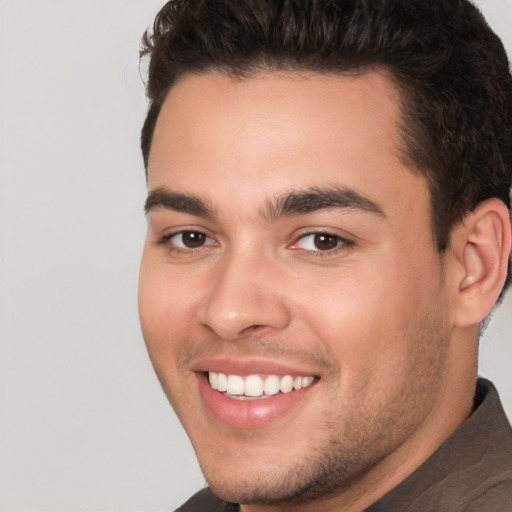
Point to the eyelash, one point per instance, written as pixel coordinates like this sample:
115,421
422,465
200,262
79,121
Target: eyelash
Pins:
342,244
166,240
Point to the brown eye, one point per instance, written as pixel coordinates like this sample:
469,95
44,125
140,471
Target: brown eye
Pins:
189,239
321,242
193,239
325,242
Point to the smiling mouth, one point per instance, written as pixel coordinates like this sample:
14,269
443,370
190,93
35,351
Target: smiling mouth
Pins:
253,387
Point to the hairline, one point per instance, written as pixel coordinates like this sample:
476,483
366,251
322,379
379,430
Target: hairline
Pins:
408,127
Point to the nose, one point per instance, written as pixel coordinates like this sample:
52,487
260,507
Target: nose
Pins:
244,296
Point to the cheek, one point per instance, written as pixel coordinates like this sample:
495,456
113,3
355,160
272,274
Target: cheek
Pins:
165,318
366,316
164,313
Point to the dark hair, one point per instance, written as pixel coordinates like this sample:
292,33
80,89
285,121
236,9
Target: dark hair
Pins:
451,69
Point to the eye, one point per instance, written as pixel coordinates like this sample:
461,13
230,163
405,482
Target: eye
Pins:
188,239
322,242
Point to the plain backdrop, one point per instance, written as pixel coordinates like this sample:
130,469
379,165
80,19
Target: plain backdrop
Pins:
84,425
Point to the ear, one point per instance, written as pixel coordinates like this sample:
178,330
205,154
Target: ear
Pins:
481,246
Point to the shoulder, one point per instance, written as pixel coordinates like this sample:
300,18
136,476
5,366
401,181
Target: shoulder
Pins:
494,496
470,472
206,501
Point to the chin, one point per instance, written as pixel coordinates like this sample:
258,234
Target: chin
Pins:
323,475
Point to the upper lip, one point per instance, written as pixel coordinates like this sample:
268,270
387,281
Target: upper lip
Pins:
250,367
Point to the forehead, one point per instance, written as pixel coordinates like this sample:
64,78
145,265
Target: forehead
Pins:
251,139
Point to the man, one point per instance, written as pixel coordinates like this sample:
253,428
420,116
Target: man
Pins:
329,226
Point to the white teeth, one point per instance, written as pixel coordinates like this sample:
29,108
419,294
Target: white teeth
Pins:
235,385
213,377
286,384
255,386
222,382
271,385
306,381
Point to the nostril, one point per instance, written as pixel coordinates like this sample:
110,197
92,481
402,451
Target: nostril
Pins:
253,329
233,311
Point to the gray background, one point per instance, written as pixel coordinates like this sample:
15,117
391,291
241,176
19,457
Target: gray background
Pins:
83,423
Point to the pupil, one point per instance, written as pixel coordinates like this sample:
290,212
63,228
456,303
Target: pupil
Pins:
325,242
193,239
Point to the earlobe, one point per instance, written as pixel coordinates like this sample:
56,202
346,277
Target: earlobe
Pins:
483,245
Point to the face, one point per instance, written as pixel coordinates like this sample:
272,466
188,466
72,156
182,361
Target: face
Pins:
291,296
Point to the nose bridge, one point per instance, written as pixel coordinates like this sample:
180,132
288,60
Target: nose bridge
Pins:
244,295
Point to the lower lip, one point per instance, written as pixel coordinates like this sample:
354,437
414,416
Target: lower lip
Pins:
249,414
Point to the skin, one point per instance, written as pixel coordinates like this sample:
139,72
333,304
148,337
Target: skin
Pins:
374,318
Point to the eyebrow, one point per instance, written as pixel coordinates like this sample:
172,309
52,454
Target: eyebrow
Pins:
314,199
300,202
163,198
